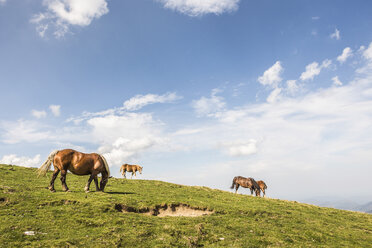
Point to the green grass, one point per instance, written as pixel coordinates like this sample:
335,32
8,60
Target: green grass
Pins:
79,219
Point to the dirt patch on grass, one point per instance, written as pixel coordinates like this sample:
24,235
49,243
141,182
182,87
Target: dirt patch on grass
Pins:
174,210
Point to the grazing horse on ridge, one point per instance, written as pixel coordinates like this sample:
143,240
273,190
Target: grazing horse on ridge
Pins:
79,164
246,183
130,168
263,186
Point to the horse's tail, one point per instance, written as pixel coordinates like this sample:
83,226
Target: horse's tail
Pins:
46,165
233,183
106,165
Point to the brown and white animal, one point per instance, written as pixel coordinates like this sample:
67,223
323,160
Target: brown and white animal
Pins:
77,163
263,186
130,168
246,183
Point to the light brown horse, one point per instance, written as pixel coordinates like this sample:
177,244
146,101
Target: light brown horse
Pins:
79,164
130,168
263,186
246,183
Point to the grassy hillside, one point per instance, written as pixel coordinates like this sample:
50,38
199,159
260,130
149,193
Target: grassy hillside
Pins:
97,219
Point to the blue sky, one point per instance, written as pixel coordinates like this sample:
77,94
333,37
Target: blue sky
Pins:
195,91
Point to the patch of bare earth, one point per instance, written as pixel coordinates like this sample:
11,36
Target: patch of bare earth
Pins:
175,210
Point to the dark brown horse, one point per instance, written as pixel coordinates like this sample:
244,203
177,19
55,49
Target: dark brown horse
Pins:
263,186
246,183
79,164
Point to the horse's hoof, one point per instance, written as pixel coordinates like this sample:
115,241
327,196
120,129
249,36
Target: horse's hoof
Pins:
86,191
53,191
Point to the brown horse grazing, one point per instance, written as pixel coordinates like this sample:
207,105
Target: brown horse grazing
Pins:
130,168
79,164
263,186
246,183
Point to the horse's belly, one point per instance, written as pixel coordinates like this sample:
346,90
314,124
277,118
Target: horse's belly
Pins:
79,170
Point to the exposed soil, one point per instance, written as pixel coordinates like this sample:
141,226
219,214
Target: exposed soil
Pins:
166,210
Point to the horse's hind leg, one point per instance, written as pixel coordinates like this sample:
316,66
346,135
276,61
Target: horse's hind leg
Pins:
104,180
96,183
63,180
55,174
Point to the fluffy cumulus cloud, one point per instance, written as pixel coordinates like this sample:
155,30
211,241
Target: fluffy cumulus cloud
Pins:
61,14
335,34
209,105
314,69
56,110
13,159
139,101
124,137
346,53
38,113
271,76
199,8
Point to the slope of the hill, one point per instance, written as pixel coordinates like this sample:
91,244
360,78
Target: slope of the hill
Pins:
122,216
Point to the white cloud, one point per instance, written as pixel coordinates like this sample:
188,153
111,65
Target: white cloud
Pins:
271,76
13,159
314,69
61,14
139,101
274,95
56,109
22,131
335,35
209,105
292,87
199,8
315,18
240,148
2,2
367,53
336,81
346,53
124,137
38,113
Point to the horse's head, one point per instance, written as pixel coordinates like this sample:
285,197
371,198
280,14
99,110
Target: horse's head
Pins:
139,169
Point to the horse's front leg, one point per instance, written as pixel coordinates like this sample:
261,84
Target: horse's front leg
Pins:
236,188
88,183
63,180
